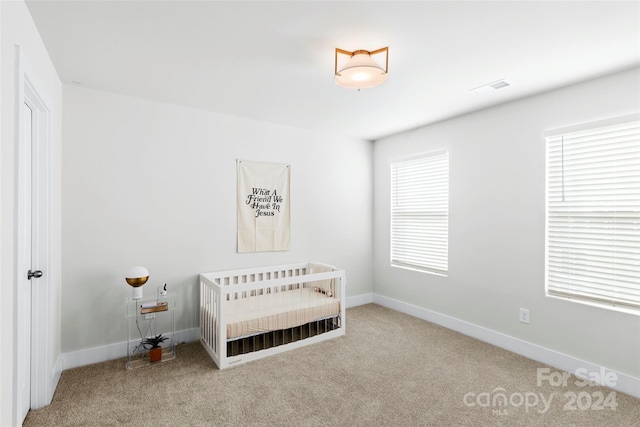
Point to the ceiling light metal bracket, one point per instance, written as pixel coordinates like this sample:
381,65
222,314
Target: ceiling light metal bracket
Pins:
361,60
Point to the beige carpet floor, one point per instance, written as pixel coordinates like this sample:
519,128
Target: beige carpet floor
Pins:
390,369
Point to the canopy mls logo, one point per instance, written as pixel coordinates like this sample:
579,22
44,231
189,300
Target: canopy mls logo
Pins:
500,402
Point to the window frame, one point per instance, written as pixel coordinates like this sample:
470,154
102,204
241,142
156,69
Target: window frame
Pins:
432,246
571,260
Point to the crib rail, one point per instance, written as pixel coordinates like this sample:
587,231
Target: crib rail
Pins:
258,274
218,289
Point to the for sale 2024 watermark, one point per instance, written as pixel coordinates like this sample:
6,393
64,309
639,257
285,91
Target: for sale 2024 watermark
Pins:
586,399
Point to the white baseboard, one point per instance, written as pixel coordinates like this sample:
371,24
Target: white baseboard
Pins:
45,395
89,356
55,377
624,383
361,299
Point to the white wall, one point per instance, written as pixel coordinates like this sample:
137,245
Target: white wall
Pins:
17,28
155,184
496,237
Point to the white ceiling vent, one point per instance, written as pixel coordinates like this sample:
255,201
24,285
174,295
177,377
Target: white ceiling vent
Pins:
490,87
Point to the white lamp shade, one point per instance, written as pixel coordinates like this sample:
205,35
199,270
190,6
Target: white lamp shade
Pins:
361,72
137,272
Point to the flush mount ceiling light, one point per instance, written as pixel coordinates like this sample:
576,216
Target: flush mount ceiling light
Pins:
361,71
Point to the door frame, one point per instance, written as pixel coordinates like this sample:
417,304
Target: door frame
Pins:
41,364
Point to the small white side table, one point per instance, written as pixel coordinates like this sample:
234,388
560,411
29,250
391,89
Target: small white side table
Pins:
146,318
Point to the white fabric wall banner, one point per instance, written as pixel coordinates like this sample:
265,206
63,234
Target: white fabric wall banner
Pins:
263,206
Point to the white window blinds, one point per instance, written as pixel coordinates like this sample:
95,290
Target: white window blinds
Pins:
420,212
593,215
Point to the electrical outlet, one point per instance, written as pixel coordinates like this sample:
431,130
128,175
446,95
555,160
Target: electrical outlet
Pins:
148,316
524,315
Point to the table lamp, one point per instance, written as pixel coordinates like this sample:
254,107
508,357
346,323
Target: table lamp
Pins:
136,277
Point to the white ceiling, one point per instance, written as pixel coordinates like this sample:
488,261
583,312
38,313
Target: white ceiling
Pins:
274,61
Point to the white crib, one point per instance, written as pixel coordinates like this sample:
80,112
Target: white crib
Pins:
257,312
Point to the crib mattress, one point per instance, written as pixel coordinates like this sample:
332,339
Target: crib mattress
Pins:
279,310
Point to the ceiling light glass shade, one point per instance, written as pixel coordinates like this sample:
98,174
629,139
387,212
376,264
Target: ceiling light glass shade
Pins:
361,71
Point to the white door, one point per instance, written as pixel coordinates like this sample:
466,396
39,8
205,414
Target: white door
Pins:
24,262
34,371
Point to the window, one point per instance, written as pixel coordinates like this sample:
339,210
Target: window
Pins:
593,215
420,212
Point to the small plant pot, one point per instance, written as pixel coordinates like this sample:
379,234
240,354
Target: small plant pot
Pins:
155,354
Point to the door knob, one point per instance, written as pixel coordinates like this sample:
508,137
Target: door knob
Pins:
32,274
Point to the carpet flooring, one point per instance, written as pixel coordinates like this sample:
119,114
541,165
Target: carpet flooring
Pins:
389,369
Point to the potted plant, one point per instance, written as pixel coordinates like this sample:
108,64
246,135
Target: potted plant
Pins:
155,352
